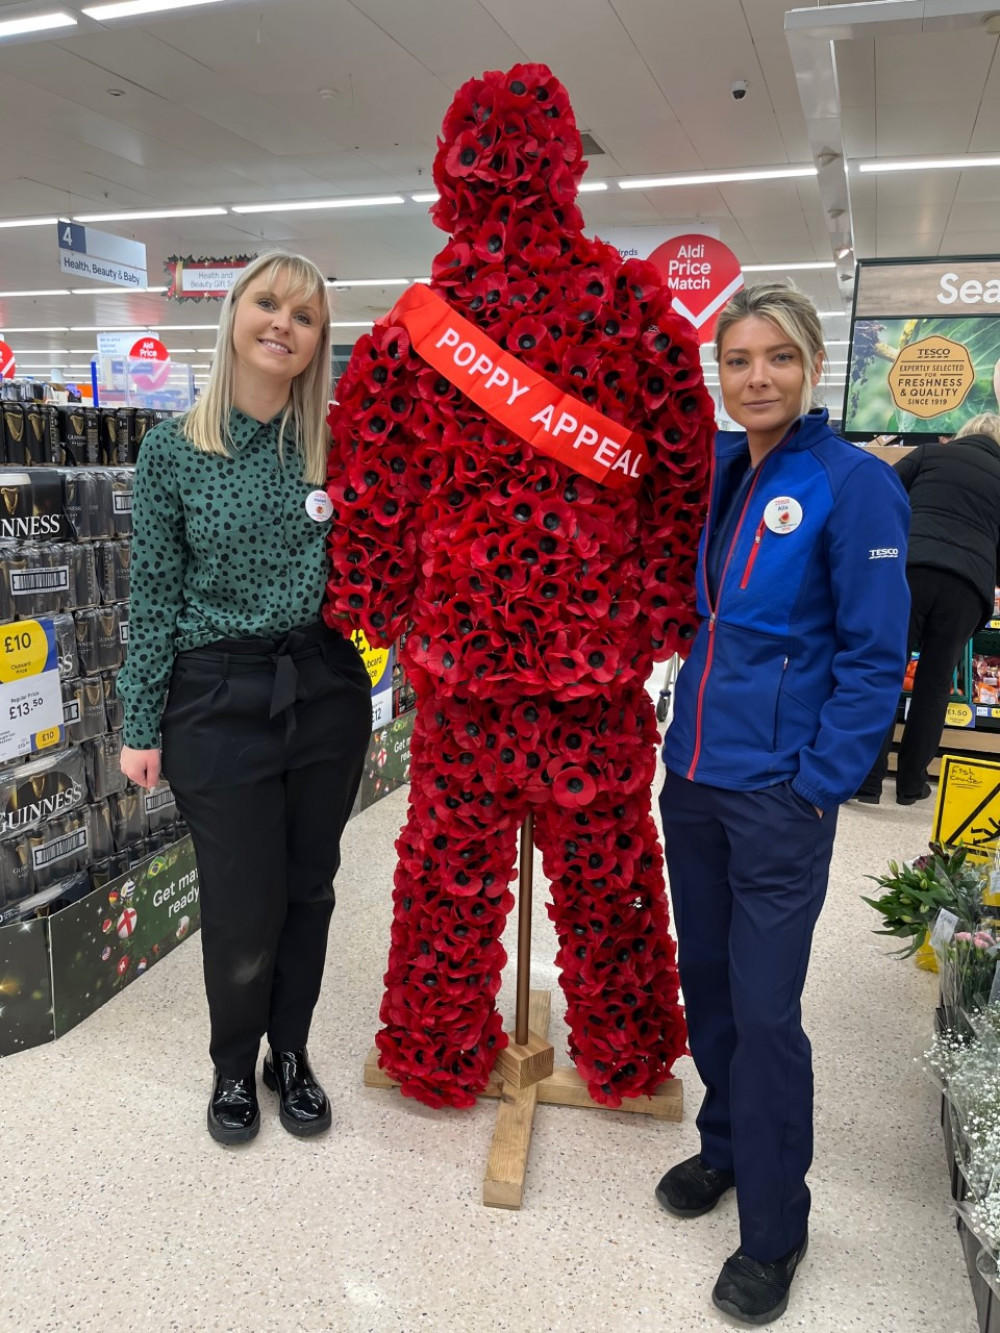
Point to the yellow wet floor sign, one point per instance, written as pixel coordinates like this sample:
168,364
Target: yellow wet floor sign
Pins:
968,806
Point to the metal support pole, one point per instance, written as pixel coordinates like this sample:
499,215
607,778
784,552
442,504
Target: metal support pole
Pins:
524,930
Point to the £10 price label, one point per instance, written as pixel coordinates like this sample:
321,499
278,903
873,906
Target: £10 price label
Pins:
24,650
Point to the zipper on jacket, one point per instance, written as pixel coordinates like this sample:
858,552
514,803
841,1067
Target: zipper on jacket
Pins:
777,704
711,623
751,559
713,607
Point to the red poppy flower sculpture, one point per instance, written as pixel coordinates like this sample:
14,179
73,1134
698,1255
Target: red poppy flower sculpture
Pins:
537,600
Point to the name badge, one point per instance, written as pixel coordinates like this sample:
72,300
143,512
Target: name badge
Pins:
319,506
782,515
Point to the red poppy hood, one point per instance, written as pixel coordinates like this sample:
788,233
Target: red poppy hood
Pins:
507,136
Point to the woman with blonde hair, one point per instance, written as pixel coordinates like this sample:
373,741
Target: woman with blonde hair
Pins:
952,566
778,712
261,712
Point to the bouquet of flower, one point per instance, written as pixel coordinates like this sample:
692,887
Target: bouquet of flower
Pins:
968,962
913,895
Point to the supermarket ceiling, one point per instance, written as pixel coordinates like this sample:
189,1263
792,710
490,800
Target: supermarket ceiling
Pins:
235,103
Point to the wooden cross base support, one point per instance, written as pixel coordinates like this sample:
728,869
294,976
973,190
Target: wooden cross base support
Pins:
503,1183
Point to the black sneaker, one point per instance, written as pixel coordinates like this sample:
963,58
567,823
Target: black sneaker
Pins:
868,797
754,1292
691,1188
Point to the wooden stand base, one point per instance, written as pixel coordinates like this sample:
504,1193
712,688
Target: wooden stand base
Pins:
503,1183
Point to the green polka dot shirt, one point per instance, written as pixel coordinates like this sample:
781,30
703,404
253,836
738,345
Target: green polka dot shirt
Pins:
222,548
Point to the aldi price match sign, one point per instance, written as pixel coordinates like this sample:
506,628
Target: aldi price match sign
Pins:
925,346
31,710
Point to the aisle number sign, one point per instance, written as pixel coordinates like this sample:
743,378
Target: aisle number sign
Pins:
378,664
101,255
968,806
31,711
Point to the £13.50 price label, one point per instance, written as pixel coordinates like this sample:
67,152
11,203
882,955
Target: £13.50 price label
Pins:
31,711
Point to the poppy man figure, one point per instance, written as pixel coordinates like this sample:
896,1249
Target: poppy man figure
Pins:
263,710
537,599
778,714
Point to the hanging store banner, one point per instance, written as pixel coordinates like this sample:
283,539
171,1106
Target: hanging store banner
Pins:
202,279
925,346
702,272
86,253
8,364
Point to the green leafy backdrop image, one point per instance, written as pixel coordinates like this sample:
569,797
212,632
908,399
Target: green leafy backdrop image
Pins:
876,344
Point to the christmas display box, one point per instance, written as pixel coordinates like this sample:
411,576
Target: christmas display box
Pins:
388,764
56,971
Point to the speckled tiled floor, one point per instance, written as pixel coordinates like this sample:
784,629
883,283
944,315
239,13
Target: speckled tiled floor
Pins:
119,1213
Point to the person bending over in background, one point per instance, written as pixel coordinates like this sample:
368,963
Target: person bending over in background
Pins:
952,563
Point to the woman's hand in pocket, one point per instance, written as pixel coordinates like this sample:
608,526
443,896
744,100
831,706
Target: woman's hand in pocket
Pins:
141,766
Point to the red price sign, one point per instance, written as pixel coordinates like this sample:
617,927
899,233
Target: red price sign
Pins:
703,274
150,349
153,351
6,362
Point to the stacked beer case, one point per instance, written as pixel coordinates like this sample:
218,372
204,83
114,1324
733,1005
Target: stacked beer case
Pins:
75,835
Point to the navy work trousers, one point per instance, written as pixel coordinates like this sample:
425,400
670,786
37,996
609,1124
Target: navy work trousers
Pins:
748,875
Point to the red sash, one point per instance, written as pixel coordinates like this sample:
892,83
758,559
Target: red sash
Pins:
520,399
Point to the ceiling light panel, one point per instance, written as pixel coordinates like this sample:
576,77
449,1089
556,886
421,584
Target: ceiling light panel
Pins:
302,205
131,8
717,177
36,23
150,214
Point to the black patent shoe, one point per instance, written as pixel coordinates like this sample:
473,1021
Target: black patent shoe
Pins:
754,1292
691,1189
304,1106
233,1113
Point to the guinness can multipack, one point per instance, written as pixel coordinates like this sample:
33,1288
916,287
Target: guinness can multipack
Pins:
13,429
17,879
145,420
85,575
111,867
60,848
98,640
114,709
85,714
31,506
101,828
128,818
38,578
69,663
88,504
121,502
113,562
103,759
50,900
39,791
36,450
125,450
161,808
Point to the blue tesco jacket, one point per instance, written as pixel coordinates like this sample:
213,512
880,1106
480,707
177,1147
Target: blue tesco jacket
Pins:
797,667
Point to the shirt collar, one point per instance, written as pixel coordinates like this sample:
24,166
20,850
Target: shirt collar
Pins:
244,430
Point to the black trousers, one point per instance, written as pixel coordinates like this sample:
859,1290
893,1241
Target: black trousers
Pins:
264,742
945,612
